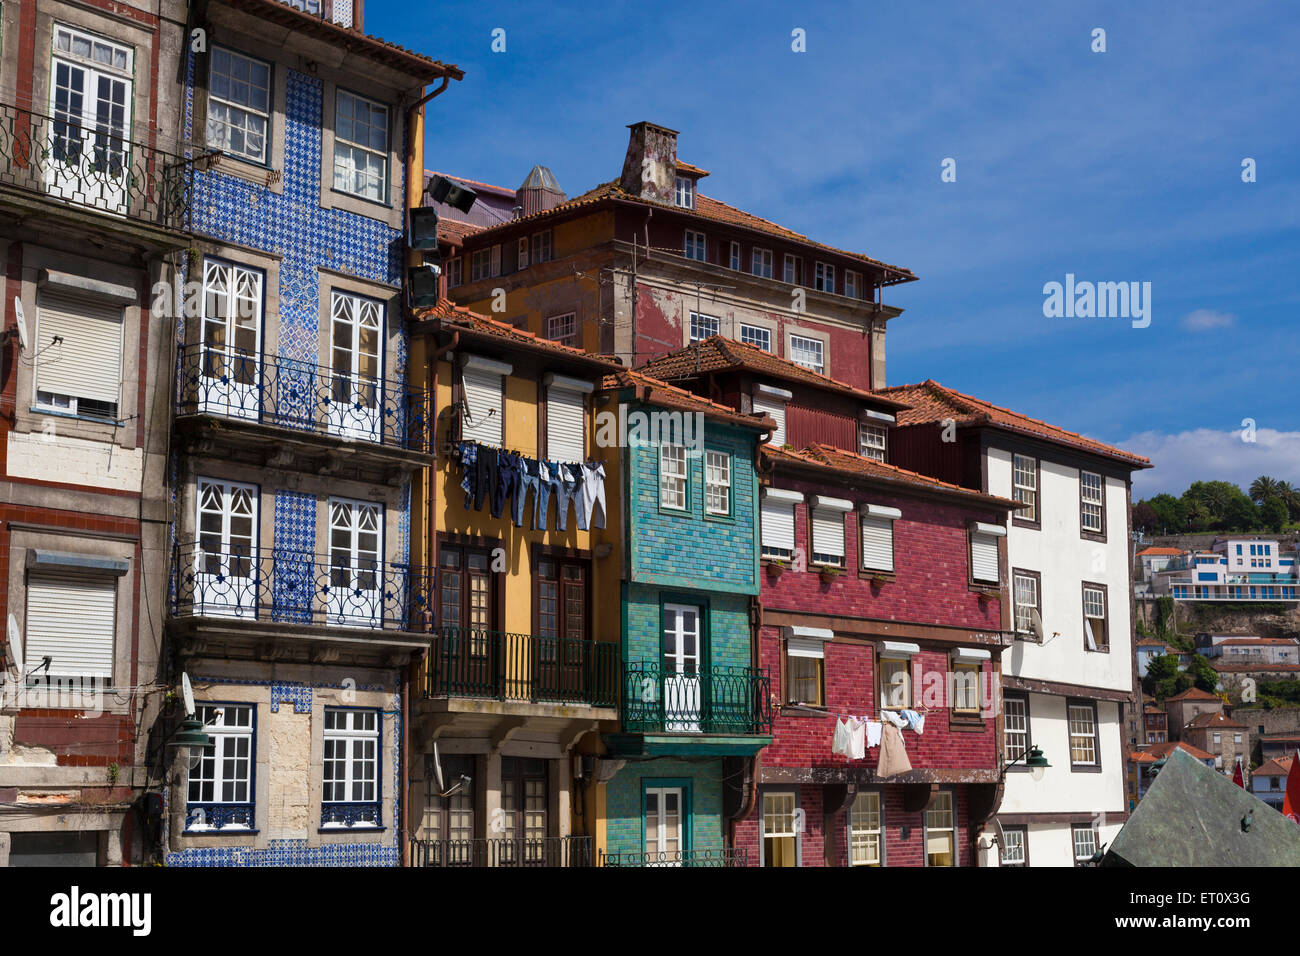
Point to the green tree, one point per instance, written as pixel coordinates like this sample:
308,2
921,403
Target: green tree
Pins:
1263,488
1145,518
1162,671
1171,513
1291,498
1220,506
1202,674
1274,515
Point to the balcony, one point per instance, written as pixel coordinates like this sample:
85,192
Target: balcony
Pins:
328,10
276,595
727,858
282,399
720,700
571,851
524,668
89,168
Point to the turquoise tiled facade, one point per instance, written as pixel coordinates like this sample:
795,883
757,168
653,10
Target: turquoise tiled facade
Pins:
726,616
702,786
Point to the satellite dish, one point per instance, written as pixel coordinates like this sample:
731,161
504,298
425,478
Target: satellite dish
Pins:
1001,838
187,691
22,324
1036,624
437,768
16,644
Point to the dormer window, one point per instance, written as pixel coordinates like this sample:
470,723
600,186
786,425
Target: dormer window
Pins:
685,196
872,441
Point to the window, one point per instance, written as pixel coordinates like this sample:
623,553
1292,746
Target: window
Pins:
824,277
872,441
703,326
225,578
1013,846
672,477
561,620
735,256
360,146
1094,617
566,418
717,483
494,261
466,594
356,337
694,245
542,246
524,798
780,838
563,328
220,789
895,682
1083,735
453,272
1024,487
1015,726
762,263
451,817
1218,740
851,284
351,765
791,272
966,688
685,194
521,253
827,520
941,831
877,541
1085,844
805,670
1026,599
808,352
72,620
239,105
771,401
757,336
777,531
1092,508
984,552
480,265
482,397
83,374
665,825
866,830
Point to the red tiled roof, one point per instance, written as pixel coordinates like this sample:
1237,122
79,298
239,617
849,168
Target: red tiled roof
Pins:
1165,749
705,208
1259,642
1281,735
1170,551
718,353
1141,756
354,41
1152,642
1212,720
673,397
1243,668
1275,767
458,318
691,169
1193,693
932,402
825,456
454,231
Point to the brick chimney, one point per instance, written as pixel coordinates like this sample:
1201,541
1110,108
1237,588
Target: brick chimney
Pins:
650,167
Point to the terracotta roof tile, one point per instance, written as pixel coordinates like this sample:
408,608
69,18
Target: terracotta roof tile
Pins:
1213,720
674,397
1193,693
932,402
1170,551
1274,767
1259,642
454,231
718,353
1165,749
692,169
455,317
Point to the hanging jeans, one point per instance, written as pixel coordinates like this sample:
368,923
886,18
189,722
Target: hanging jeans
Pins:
468,471
593,493
507,483
526,479
489,475
567,486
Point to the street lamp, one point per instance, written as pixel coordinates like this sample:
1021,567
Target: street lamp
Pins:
1034,760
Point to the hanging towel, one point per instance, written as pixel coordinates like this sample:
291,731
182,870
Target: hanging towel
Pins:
893,718
873,732
469,471
593,492
841,743
857,739
914,720
893,753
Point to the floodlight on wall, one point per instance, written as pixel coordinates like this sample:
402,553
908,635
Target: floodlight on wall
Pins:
454,194
422,285
423,233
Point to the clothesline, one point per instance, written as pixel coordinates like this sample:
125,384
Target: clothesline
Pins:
492,476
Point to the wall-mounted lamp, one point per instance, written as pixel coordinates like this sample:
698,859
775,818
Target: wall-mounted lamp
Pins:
1034,760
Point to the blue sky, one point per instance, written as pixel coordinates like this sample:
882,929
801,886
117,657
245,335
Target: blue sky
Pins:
1115,166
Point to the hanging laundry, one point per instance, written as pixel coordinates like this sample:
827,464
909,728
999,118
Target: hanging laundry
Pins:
893,753
567,486
507,480
488,473
841,742
873,732
467,452
857,739
914,720
593,493
893,718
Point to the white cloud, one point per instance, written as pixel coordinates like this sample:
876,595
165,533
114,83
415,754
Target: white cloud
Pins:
1207,455
1204,319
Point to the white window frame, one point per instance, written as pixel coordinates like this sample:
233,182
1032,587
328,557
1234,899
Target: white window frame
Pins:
824,277
700,322
684,194
1083,731
542,250
790,269
774,500
563,328
932,812
1024,619
47,399
851,284
778,817
828,511
873,441
1089,846
226,734
343,144
874,521
896,690
757,336
760,261
695,242
359,735
1092,502
674,478
1024,485
1094,609
862,834
803,343
1020,716
735,256
248,109
1012,853
717,482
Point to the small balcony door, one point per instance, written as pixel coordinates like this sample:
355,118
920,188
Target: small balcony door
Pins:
226,567
465,660
356,370
681,668
663,826
90,104
355,595
561,634
230,379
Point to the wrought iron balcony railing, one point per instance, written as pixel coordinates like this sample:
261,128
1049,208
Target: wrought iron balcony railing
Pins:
348,815
658,698
571,851
86,163
296,587
677,858
253,386
497,665
206,817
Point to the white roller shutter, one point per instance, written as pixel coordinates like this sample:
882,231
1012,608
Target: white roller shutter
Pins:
828,532
778,524
877,543
483,397
565,421
88,363
775,408
984,556
71,618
